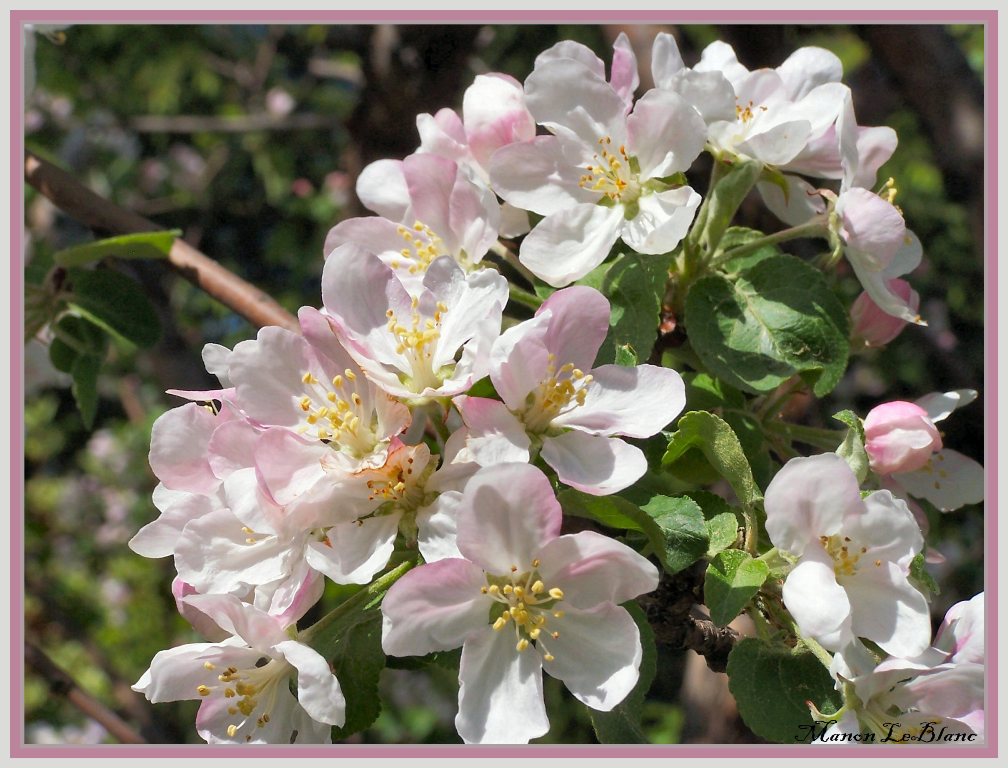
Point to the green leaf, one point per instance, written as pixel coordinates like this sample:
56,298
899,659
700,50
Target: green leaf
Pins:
719,444
626,356
141,245
621,725
75,337
635,286
921,579
720,518
683,528
733,578
735,237
85,387
705,393
852,449
357,660
776,318
771,684
483,388
115,303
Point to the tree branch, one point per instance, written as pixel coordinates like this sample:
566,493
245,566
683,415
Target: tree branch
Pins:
61,684
79,202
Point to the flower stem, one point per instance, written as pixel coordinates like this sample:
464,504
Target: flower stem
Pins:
813,228
522,296
829,439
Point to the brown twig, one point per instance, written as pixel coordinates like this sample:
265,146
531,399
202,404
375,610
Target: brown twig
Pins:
61,684
668,611
76,200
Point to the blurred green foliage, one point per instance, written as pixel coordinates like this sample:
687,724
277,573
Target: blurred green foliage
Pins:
111,105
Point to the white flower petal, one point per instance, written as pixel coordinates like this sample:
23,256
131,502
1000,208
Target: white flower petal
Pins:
818,603
569,98
594,464
318,689
939,405
501,695
570,243
539,175
887,609
382,188
949,480
355,551
663,219
665,133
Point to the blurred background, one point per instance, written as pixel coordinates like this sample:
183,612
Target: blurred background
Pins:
249,140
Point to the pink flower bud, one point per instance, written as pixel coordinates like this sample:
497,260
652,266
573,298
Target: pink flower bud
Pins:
899,437
876,327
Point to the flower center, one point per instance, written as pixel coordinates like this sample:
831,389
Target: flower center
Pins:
337,416
248,688
845,554
417,342
401,480
745,114
523,600
611,174
423,246
558,393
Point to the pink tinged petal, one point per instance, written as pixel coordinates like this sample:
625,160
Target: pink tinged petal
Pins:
819,605
949,480
957,692
594,464
214,555
663,219
248,500
720,57
875,145
961,633
474,217
887,528
597,654
175,674
496,436
500,693
514,221
623,74
570,243
666,61
318,689
539,176
199,620
578,326
354,552
939,405
267,373
508,513
372,233
381,186
519,359
434,607
437,523
875,326
807,68
907,257
569,49
871,227
796,206
570,99
709,93
899,437
290,599
886,609
430,180
232,447
256,629
877,285
495,115
592,569
665,133
288,466
215,360
475,307
762,87
179,441
159,537
810,497
633,401
442,134
778,144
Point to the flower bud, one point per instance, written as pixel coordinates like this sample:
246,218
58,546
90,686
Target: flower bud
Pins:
874,326
899,437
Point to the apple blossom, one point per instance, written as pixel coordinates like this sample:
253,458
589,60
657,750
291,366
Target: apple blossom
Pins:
522,599
243,700
874,326
407,345
555,401
602,174
851,577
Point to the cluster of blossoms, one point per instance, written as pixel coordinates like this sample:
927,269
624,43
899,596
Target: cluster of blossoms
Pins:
405,422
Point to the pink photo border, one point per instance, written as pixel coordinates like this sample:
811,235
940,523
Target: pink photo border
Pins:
18,18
